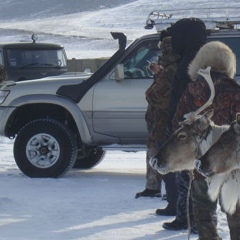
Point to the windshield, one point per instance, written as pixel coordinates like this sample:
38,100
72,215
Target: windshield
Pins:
21,58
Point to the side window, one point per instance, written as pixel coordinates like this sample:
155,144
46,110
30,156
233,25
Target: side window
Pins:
136,64
12,58
15,58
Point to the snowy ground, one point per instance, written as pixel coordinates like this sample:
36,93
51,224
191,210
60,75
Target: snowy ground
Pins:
98,204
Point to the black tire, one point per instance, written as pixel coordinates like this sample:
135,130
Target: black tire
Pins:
45,148
90,158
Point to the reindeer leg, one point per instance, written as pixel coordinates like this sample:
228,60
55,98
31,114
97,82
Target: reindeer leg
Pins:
204,211
234,224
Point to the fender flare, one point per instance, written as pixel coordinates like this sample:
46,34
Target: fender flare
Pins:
69,105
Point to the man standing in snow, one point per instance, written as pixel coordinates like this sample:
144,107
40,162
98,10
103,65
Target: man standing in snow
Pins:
188,35
158,96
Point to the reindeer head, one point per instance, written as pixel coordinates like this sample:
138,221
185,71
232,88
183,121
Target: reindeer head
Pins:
224,155
184,146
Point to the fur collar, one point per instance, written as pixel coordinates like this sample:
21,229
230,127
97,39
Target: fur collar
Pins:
216,55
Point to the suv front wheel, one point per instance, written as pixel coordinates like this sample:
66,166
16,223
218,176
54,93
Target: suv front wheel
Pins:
45,148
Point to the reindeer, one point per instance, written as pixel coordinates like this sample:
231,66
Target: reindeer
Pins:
186,144
221,165
191,140
224,155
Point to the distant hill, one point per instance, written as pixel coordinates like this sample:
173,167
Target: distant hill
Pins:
26,9
84,26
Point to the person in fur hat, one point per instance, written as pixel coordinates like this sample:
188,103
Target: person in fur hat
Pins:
188,36
226,104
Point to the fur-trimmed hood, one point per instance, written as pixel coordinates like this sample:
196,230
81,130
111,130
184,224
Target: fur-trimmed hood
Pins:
218,56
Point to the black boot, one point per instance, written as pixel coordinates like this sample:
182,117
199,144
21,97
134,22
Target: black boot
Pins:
168,211
148,193
175,225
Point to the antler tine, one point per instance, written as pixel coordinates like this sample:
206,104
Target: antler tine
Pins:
207,76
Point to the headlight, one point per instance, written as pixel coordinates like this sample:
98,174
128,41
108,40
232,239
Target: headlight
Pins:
3,95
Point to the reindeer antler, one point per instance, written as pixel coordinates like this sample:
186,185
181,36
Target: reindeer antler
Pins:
207,76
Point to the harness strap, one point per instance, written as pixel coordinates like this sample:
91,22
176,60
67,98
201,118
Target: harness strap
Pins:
203,138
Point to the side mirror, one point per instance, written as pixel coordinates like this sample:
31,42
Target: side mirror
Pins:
119,72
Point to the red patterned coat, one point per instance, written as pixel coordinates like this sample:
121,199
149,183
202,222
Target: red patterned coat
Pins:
226,102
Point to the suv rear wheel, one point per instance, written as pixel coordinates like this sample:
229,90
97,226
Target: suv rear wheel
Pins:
45,148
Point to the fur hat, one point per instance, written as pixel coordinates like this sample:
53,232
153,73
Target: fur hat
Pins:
216,55
164,34
188,35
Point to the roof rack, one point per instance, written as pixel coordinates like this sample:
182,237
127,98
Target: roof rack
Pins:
214,18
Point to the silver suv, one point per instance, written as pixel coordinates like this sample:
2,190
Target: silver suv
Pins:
71,120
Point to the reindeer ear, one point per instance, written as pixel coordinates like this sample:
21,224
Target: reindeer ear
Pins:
189,119
209,114
205,119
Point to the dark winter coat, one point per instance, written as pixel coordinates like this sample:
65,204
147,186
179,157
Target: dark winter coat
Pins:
188,35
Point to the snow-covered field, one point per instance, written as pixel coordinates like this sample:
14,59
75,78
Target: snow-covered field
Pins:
98,204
